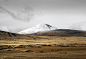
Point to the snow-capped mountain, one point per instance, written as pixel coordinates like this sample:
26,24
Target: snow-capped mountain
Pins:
38,28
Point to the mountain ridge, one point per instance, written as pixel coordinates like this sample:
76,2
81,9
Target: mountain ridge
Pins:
62,32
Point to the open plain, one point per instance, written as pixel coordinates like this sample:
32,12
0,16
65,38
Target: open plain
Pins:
17,46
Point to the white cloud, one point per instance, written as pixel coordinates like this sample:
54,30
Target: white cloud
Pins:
4,28
79,26
25,15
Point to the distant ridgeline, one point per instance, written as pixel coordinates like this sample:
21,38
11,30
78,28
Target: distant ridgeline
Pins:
62,32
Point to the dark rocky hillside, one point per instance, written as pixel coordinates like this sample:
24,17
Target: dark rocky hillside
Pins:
10,36
3,33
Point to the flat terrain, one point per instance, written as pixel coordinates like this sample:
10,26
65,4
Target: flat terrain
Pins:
16,46
33,40
47,52
45,47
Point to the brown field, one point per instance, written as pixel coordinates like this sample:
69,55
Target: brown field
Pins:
42,47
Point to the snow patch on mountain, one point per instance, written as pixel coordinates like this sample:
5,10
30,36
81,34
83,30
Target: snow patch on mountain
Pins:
38,28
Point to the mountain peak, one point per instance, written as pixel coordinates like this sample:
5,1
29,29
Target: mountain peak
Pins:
38,28
44,26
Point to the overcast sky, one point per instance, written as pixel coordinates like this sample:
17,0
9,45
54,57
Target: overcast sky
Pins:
28,13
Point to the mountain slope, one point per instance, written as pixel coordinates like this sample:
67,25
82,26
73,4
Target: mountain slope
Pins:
62,32
37,28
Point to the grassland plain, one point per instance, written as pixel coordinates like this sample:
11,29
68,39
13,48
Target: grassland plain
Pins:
16,46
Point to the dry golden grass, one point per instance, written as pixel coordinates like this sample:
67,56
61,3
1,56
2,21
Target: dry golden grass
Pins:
41,51
16,46
43,40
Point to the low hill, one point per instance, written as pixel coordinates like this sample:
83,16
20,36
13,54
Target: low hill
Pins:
4,33
13,36
10,36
